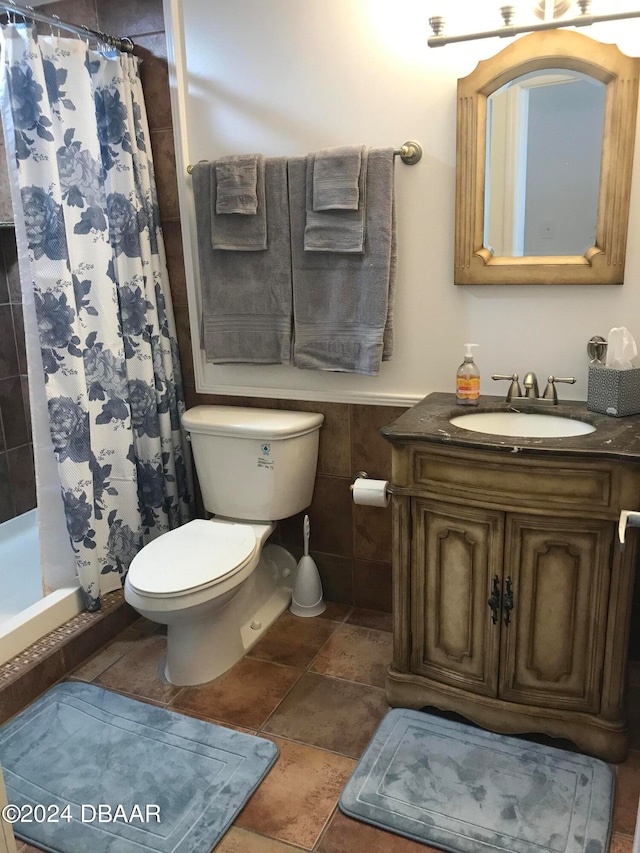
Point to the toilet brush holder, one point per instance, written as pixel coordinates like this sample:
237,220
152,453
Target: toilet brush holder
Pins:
306,599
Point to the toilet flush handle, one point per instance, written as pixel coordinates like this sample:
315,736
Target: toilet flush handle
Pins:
628,518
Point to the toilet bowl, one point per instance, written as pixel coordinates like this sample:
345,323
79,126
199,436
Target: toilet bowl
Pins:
218,585
215,588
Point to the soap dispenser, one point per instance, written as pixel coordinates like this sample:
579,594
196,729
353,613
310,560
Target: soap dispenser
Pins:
468,379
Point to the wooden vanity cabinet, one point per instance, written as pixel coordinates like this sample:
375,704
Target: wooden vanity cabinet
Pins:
512,599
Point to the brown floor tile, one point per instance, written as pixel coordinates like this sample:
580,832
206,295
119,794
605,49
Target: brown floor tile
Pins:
245,695
621,843
123,643
136,672
187,712
627,792
143,627
298,795
294,640
345,834
329,713
335,611
371,619
357,654
240,841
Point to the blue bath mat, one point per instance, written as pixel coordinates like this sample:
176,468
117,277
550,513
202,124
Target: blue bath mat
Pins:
81,752
469,791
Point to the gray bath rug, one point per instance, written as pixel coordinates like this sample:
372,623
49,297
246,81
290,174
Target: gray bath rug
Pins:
89,770
465,790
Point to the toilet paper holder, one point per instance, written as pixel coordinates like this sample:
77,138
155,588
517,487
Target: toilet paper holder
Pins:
362,475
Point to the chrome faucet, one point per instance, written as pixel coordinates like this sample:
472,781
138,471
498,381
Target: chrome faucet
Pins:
515,391
531,393
530,383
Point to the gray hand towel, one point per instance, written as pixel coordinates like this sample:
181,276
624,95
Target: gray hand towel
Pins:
237,179
343,312
336,230
239,233
336,178
246,296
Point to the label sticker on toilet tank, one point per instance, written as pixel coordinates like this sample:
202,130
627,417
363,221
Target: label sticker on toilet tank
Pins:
264,457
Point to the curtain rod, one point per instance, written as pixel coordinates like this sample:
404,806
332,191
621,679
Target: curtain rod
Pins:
124,44
410,153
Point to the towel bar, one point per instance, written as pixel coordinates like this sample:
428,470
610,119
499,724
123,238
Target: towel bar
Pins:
410,154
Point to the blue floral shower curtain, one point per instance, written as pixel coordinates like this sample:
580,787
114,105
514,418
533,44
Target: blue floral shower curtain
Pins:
97,267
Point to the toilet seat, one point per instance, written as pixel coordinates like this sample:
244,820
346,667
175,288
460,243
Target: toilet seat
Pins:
192,557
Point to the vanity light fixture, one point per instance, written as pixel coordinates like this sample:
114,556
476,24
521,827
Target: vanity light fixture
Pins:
551,11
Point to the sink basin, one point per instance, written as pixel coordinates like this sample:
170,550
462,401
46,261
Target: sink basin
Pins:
522,424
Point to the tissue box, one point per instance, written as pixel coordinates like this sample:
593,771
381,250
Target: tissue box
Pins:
613,392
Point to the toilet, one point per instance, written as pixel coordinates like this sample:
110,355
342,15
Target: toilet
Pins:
215,584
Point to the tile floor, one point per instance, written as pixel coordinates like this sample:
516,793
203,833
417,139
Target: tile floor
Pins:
315,687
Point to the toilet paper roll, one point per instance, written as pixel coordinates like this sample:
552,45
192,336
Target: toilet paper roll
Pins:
367,492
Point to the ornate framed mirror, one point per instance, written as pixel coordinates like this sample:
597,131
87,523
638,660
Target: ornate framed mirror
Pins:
545,139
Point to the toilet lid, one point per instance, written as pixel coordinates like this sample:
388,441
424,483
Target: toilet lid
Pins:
195,555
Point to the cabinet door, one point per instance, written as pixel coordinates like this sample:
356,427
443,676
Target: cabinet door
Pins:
455,552
552,650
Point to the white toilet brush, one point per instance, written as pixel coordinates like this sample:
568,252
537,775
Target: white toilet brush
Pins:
307,588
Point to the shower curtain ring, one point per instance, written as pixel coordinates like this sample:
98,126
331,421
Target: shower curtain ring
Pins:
17,14
56,18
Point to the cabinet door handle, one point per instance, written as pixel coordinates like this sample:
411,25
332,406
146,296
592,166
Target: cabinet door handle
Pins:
494,600
507,602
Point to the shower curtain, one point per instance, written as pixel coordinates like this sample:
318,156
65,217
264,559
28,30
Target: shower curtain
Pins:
92,264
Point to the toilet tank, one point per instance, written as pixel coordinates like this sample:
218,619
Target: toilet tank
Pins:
255,464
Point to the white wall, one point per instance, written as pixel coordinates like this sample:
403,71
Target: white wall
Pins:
286,77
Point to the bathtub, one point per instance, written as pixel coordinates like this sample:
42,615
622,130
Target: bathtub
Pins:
26,614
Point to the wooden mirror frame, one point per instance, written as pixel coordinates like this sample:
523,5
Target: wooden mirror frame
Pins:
602,263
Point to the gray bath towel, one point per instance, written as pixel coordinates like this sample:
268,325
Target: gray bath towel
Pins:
343,311
237,179
336,230
336,178
246,296
239,233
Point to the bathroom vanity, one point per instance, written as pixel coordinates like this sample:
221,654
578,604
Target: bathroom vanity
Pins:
512,595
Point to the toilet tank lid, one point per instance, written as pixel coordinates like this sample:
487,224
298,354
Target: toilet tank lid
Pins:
245,422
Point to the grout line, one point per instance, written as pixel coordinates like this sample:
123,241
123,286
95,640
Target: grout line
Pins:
325,828
306,669
289,739
255,832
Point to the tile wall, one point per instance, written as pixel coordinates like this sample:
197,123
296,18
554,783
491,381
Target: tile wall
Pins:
17,481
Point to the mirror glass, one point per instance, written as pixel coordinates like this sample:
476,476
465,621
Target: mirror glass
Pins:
544,155
544,143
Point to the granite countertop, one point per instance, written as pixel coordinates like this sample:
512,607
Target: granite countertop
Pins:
428,421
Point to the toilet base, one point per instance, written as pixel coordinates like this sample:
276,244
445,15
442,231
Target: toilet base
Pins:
200,650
